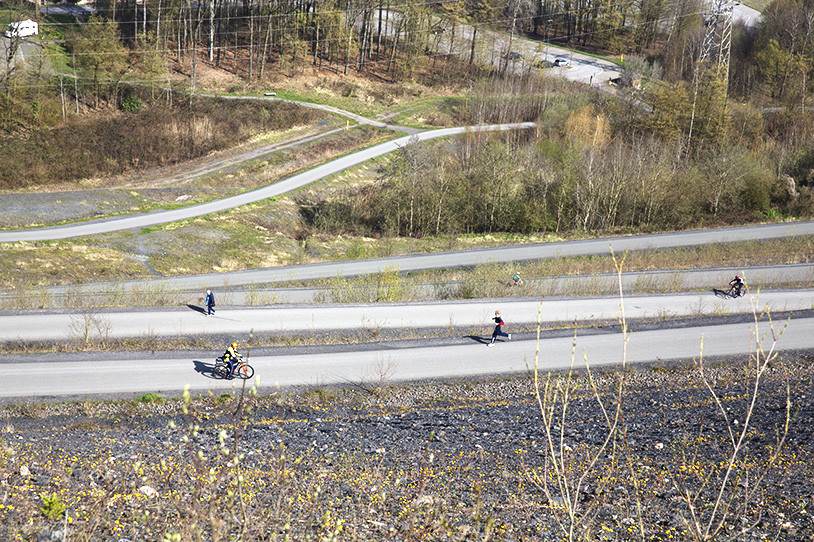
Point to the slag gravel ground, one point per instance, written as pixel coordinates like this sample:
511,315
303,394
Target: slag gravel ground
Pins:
439,461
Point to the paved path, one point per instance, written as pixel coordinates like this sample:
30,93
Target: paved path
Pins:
113,375
744,14
763,276
141,220
328,109
172,322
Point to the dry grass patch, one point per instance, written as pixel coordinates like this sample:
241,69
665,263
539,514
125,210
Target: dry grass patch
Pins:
26,265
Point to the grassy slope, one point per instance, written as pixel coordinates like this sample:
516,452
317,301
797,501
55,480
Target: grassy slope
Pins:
759,5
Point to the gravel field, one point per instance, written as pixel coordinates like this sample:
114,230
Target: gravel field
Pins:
32,209
464,460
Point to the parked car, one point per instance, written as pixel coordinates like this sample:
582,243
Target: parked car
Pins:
559,61
513,55
22,29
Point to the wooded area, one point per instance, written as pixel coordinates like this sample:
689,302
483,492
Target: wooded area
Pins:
674,154
132,39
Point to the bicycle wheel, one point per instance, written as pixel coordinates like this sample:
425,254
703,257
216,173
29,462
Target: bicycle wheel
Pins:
220,370
244,371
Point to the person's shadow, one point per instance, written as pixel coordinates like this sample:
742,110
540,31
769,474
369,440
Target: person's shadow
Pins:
203,368
196,308
478,339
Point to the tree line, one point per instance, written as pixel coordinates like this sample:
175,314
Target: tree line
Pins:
257,39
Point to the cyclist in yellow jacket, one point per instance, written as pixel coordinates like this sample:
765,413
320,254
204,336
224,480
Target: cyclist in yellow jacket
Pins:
231,356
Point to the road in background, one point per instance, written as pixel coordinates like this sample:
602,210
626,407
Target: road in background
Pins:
141,220
505,51
446,260
745,15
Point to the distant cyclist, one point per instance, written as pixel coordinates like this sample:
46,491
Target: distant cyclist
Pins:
231,356
516,279
737,285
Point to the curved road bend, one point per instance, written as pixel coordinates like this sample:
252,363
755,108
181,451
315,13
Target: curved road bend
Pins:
122,375
454,259
97,227
476,315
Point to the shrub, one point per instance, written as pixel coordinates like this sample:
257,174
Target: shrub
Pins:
131,103
52,506
150,398
756,193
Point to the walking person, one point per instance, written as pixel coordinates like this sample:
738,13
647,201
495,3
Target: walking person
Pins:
498,332
210,303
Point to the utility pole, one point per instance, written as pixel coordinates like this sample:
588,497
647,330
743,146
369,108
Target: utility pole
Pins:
718,38
715,51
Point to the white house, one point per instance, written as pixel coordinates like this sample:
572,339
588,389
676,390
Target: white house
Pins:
22,29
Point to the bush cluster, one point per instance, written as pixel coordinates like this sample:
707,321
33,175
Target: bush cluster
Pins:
576,172
540,186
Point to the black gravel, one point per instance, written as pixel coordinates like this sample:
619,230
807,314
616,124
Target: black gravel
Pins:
434,461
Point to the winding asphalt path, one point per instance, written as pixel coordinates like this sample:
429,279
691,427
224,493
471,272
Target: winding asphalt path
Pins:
96,227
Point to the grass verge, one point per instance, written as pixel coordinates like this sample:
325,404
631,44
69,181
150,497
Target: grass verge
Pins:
189,247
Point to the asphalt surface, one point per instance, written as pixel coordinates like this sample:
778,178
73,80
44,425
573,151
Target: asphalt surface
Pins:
23,54
319,319
455,259
115,375
666,280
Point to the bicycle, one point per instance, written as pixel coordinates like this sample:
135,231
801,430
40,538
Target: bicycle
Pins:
737,290
242,369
